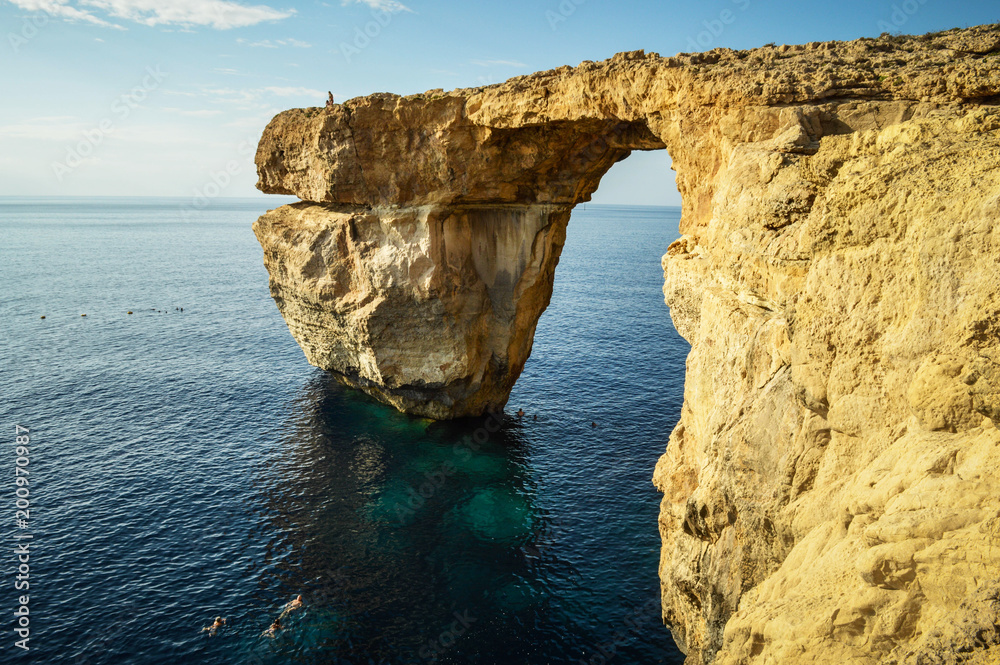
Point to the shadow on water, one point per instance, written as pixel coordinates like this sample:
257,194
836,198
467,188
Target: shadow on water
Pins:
411,540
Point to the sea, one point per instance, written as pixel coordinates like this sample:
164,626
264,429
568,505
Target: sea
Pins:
180,460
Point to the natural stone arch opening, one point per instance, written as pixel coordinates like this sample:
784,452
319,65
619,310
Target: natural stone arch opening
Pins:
430,302
644,178
606,330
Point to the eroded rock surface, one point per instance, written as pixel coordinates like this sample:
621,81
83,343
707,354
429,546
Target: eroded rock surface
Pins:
831,491
431,309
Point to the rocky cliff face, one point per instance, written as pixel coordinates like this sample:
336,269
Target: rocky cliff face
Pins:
429,308
830,493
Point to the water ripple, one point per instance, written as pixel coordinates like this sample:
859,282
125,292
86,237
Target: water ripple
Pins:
191,464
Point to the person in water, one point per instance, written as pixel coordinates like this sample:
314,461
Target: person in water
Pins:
291,605
273,629
214,628
520,413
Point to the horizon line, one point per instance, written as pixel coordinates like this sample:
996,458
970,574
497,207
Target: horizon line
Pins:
263,197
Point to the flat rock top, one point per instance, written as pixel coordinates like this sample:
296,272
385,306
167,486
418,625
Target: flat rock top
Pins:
959,64
548,137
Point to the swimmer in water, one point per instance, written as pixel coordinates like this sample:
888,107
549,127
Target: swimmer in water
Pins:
520,413
214,628
273,630
291,605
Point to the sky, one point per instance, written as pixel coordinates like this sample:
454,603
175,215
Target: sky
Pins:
169,97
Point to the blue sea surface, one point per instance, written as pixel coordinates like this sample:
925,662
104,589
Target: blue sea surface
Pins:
191,464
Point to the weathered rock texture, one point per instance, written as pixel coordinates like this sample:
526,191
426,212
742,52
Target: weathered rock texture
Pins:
831,492
431,309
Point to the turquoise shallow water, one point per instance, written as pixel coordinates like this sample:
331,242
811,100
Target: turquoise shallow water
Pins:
192,464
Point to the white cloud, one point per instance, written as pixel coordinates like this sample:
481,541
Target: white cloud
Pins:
296,92
60,9
267,43
203,113
252,123
69,131
498,63
264,99
52,128
219,14
391,6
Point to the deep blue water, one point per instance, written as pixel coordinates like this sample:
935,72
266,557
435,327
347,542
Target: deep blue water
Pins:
190,464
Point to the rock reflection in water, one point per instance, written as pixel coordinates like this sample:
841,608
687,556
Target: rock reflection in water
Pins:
397,531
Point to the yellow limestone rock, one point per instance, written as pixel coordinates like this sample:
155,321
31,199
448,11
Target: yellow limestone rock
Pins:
831,492
430,309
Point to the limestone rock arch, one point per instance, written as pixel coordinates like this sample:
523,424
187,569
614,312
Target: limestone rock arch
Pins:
836,279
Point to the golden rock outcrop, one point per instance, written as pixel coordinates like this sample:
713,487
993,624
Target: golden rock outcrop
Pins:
831,492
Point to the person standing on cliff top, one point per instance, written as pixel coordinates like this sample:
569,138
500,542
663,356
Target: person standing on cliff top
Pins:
329,100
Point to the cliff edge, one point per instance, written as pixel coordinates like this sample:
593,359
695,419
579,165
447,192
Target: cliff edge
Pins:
831,491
